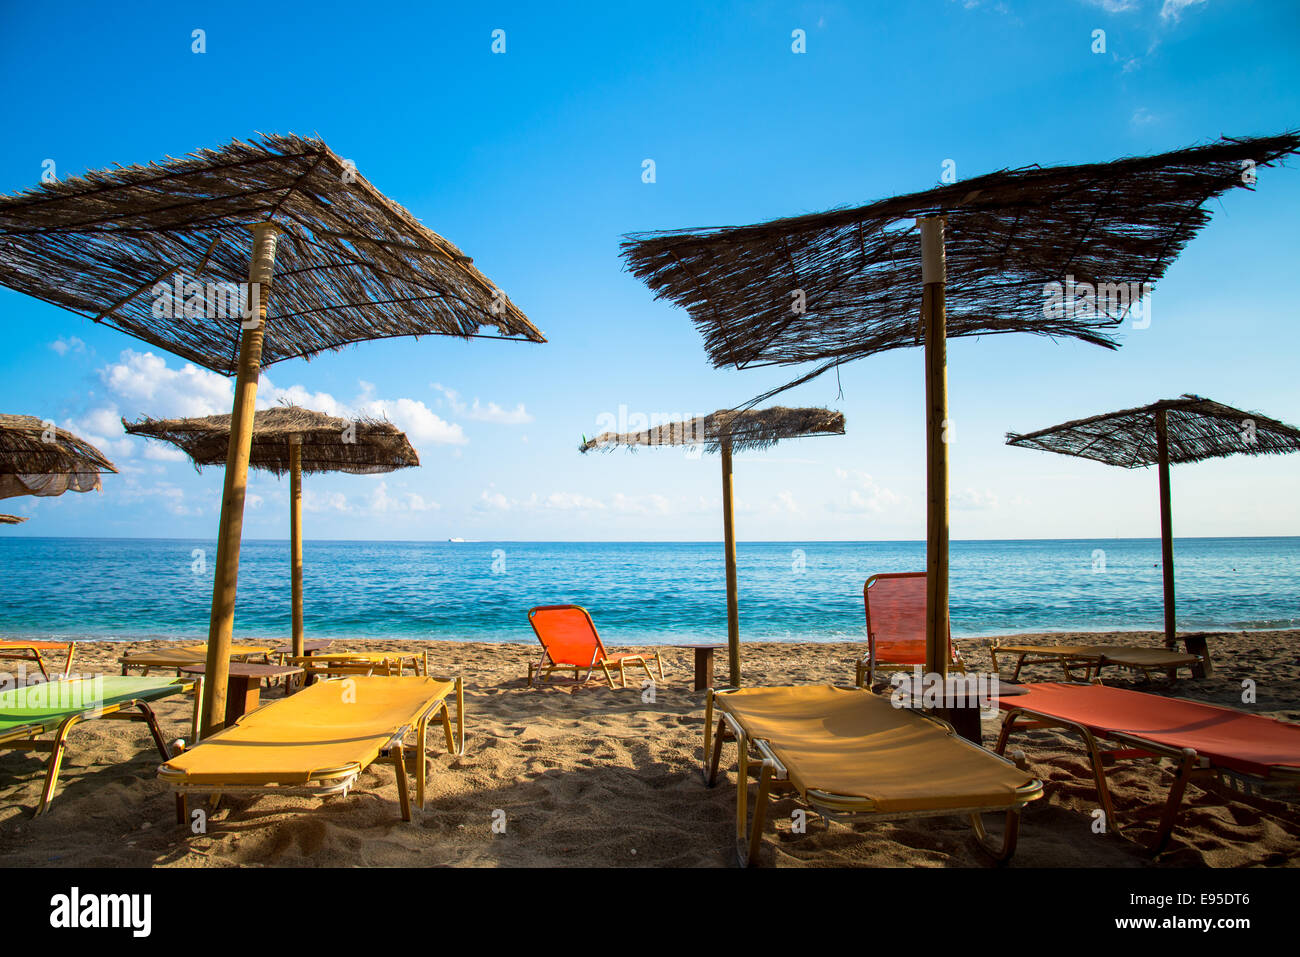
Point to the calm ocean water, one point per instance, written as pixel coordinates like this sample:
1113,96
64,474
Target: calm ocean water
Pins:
637,592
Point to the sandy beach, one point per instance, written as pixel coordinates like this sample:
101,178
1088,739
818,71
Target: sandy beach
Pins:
587,776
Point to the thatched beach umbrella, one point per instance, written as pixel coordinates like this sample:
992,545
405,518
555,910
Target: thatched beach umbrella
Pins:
1188,429
836,286
728,431
38,458
161,252
288,439
12,519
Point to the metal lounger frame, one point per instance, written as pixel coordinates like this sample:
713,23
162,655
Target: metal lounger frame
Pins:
1190,765
28,738
327,781
844,808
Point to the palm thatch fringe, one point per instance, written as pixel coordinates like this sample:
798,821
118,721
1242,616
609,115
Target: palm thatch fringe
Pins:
748,430
161,252
329,444
835,286
32,447
1198,429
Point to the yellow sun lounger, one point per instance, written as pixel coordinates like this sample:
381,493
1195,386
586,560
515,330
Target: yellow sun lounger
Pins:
319,740
851,755
1092,658
173,659
58,706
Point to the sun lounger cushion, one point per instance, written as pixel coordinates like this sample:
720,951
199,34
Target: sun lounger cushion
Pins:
43,707
329,726
1247,743
857,744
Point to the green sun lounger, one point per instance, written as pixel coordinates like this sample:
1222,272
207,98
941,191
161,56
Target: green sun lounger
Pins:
57,706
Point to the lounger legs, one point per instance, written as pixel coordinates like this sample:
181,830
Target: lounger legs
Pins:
1006,849
1169,815
1176,790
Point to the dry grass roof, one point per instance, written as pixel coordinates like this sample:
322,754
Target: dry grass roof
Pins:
746,430
1009,234
351,264
329,444
12,519
1198,429
29,447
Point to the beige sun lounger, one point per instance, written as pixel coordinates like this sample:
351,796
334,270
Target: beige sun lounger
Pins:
1092,658
850,754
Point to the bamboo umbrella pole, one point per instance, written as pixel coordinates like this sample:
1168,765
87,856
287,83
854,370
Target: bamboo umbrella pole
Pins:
226,574
295,538
1166,527
934,279
729,548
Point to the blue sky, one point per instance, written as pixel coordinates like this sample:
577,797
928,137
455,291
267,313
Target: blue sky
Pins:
531,162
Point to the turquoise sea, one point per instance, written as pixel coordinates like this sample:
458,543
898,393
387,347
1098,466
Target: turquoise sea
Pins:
638,592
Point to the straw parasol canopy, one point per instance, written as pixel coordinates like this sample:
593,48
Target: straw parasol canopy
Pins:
12,519
38,458
118,245
327,443
161,252
1007,235
1198,429
725,431
839,285
292,440
743,431
1187,429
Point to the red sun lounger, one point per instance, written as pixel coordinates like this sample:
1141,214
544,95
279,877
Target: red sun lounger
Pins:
1203,739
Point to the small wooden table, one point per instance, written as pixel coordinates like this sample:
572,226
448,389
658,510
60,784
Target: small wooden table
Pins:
966,720
244,685
1195,643
704,665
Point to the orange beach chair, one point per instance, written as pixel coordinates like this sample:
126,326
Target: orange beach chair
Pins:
895,606
1203,739
14,650
569,638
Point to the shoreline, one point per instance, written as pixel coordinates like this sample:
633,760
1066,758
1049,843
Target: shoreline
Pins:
676,641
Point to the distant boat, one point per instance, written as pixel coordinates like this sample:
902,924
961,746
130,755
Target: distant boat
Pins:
455,539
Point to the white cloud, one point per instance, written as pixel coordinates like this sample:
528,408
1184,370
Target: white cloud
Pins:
381,501
145,382
1172,10
64,346
568,501
102,428
1142,117
974,500
865,497
313,501
481,412
417,420
1113,6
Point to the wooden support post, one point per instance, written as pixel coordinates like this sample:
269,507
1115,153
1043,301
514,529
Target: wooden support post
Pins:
1166,528
729,549
226,574
934,279
295,538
